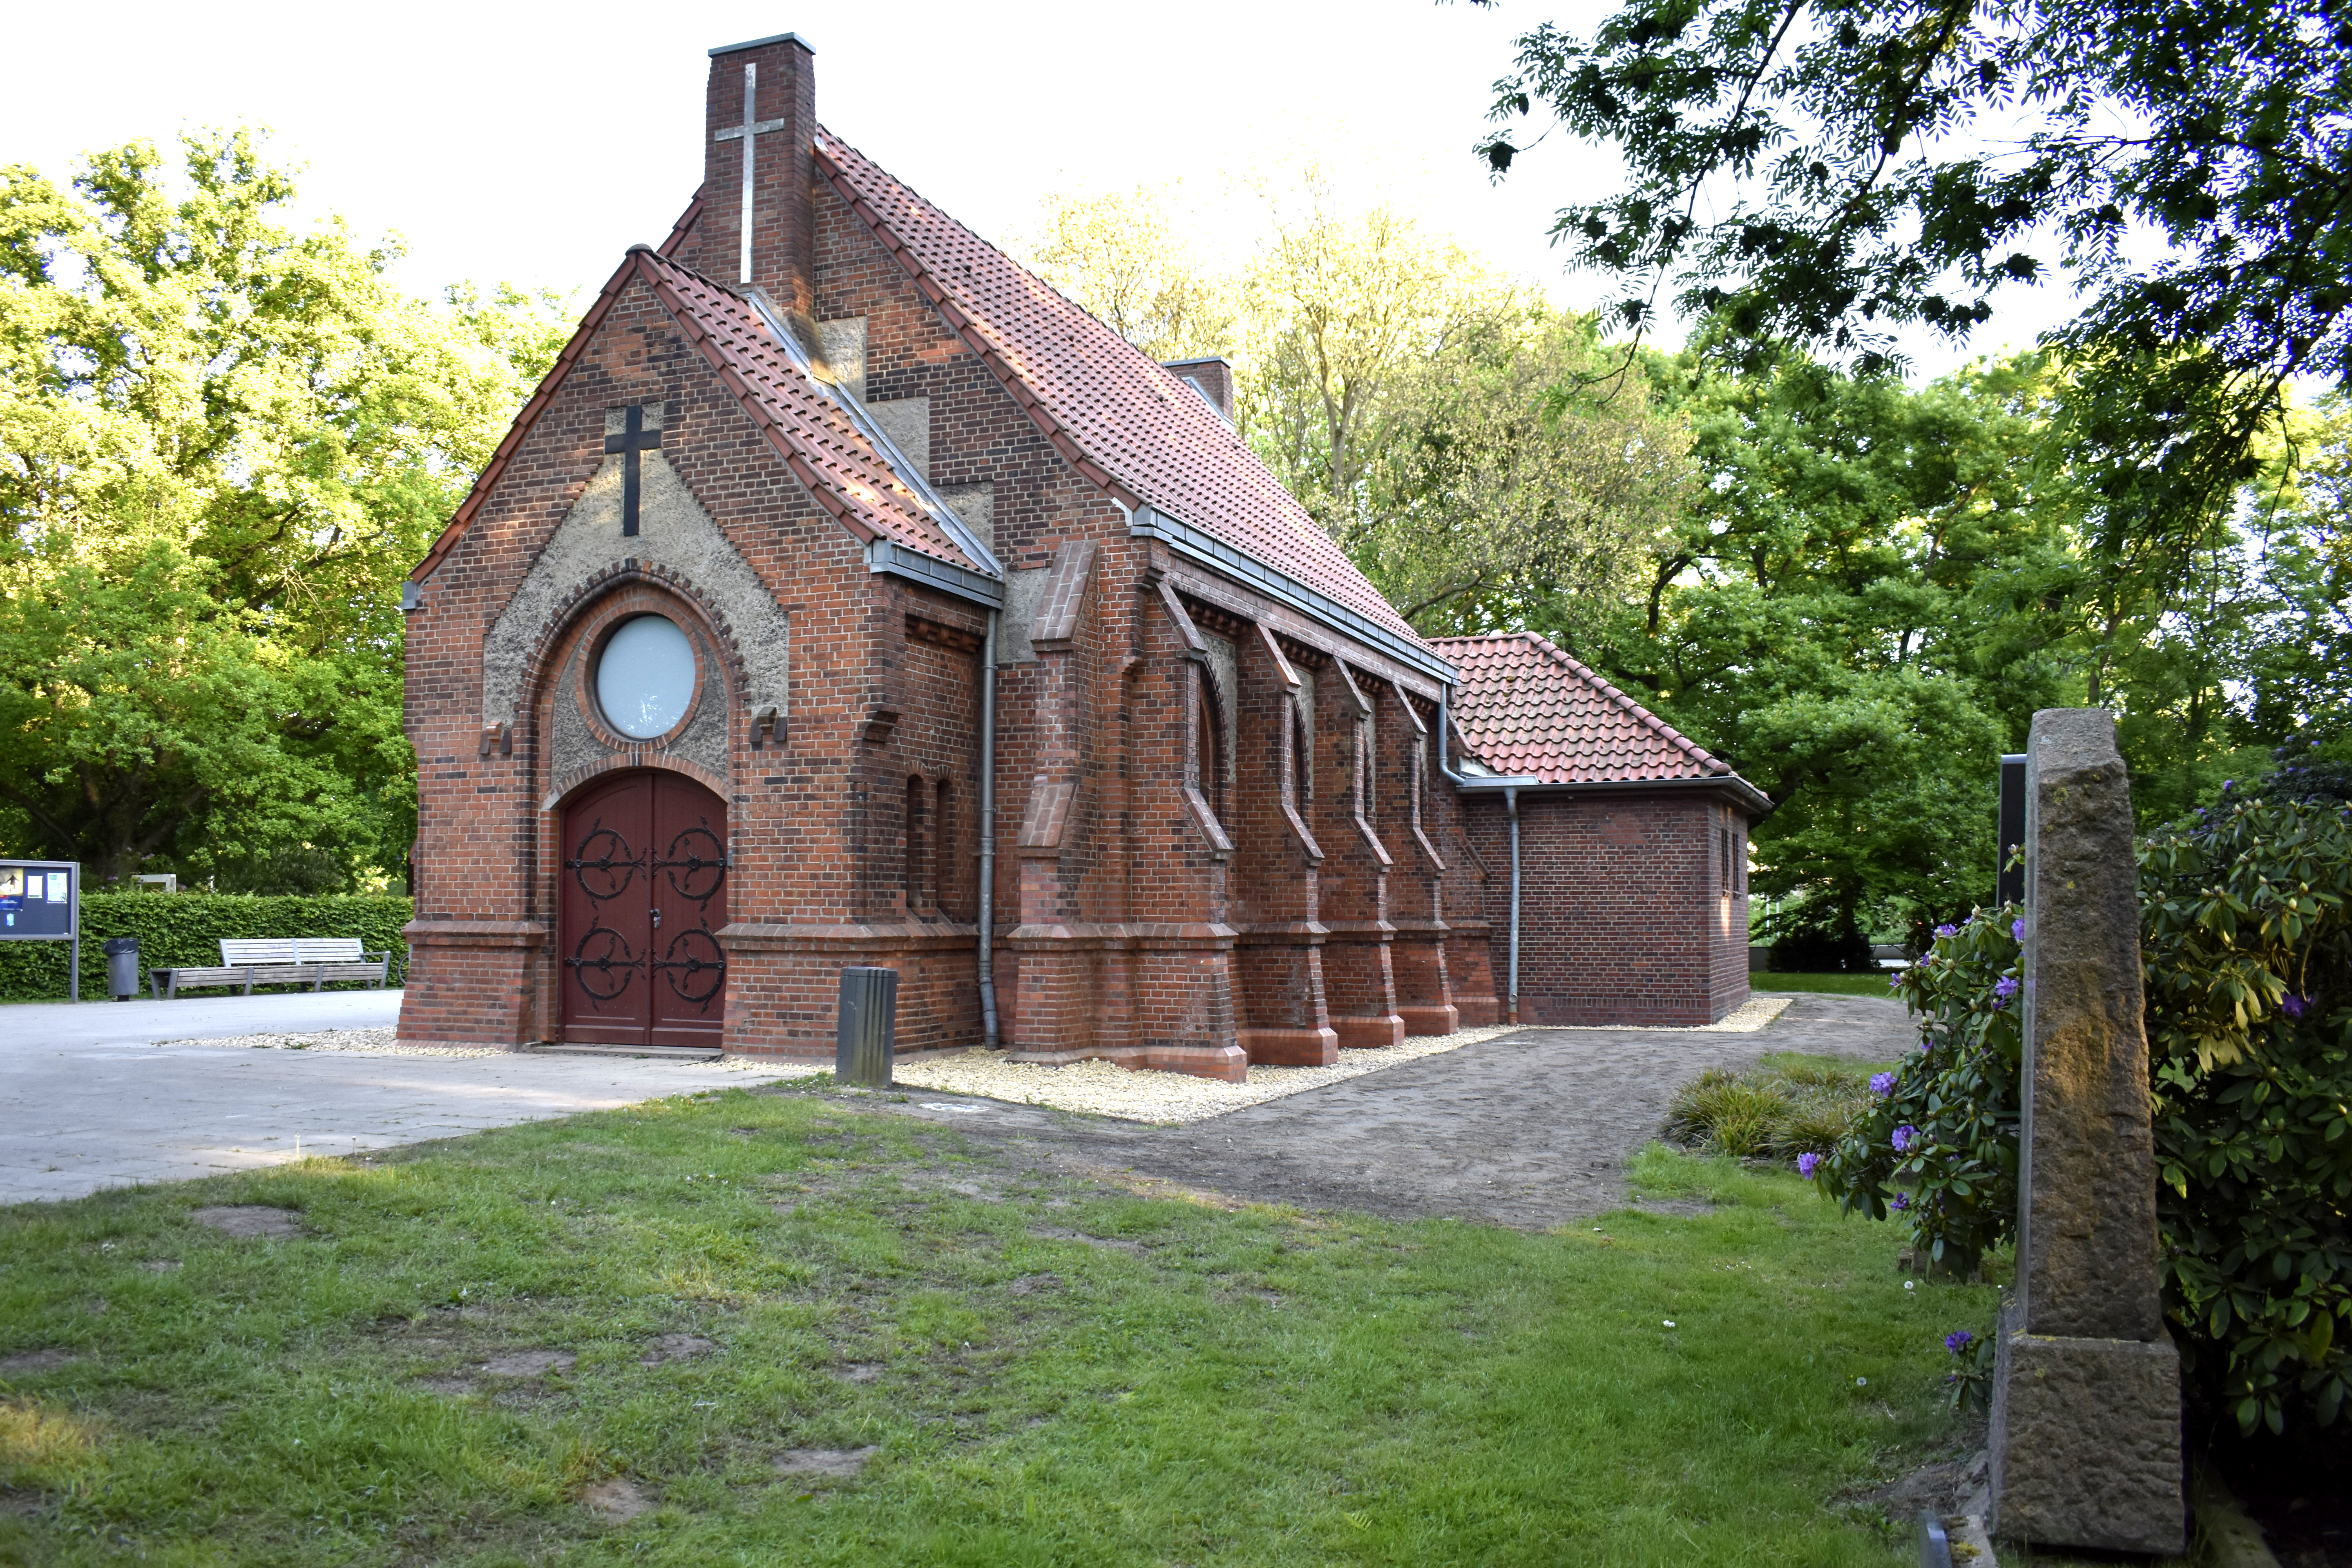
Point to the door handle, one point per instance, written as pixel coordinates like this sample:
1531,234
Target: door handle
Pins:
657,920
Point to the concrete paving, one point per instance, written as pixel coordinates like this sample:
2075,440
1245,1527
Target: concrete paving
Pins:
88,1099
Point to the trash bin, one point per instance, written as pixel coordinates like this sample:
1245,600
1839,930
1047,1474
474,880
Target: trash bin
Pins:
123,967
869,1027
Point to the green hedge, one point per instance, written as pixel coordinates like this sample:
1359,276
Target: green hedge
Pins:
177,929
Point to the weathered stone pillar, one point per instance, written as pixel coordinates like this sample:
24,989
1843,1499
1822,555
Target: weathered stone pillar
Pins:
2087,1397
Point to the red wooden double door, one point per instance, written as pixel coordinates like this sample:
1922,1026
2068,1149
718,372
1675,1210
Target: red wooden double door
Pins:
644,896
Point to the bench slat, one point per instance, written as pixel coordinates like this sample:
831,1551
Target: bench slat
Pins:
257,949
246,975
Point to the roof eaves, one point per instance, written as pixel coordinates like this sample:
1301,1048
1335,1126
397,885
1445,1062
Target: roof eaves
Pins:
1205,548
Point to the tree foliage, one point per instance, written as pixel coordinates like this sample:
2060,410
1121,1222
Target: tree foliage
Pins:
1821,170
221,444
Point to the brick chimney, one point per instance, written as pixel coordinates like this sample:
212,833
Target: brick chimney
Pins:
762,103
1212,378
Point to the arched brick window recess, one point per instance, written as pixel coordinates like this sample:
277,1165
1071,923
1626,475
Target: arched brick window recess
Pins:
946,856
1302,759
1208,730
917,877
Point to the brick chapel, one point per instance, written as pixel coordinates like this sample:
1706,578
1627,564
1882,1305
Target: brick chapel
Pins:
845,595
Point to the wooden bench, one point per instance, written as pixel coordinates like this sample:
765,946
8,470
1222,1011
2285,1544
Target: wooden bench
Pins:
247,962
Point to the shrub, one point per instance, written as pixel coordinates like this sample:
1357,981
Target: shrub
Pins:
186,929
2246,948
2246,926
1939,1143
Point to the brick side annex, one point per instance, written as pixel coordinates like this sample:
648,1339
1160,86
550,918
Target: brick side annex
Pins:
1632,842
826,503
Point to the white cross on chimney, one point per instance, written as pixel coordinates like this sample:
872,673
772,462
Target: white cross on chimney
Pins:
747,131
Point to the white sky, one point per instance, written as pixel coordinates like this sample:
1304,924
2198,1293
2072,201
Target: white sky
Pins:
533,144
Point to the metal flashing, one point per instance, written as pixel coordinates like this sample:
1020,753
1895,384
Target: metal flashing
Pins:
885,559
771,38
871,428
1198,545
1730,783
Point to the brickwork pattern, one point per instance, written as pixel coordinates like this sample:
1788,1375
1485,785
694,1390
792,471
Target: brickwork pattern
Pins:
1624,917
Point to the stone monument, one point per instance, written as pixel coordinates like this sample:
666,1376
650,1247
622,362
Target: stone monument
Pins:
2086,1394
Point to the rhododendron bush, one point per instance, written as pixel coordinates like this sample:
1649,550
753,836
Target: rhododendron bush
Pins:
2246,948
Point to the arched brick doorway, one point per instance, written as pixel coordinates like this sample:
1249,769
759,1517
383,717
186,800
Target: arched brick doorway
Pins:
644,896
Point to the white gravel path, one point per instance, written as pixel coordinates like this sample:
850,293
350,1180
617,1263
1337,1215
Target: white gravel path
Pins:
383,1042
1104,1088
380,1042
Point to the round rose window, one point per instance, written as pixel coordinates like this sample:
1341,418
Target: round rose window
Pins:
644,678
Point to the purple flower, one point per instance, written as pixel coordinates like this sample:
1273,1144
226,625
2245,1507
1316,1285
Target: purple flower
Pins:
1881,1084
1904,1136
2005,986
2017,930
2225,786
1806,1164
2295,1007
1895,982
1948,929
1899,1202
1959,1339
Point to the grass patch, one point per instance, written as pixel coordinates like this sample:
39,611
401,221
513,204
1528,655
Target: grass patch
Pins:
1829,985
714,1300
1790,1104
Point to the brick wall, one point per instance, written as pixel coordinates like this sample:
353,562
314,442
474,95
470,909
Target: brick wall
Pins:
1624,914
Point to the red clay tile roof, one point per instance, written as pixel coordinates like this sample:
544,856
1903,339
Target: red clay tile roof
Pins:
844,470
1127,423
1530,711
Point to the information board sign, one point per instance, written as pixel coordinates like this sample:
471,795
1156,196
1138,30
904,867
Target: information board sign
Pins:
40,901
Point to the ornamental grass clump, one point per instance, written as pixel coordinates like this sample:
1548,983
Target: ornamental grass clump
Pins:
1769,1113
2246,954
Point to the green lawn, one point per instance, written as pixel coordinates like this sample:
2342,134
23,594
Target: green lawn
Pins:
1049,1371
1834,985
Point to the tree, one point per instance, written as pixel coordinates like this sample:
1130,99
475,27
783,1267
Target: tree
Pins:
1127,257
222,444
1864,165
1507,493
1864,600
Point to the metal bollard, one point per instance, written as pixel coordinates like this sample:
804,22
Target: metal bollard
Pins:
123,967
869,1027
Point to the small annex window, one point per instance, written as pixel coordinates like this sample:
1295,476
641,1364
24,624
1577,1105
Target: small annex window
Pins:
646,677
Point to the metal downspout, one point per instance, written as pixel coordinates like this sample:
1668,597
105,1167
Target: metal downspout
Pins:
1511,801
988,834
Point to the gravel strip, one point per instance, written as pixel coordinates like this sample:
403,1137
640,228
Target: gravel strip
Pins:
1106,1089
1745,1019
1167,1098
378,1042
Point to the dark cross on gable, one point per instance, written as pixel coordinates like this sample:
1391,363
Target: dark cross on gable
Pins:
752,127
629,442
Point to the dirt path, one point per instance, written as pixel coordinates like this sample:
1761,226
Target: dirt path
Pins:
1531,1130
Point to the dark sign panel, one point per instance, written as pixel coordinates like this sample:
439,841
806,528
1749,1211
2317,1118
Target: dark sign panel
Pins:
38,899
